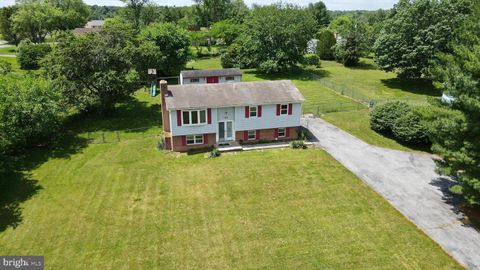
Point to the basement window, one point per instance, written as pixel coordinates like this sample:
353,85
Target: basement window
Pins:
252,135
194,139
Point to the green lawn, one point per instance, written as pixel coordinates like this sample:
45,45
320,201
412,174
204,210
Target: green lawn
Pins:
369,82
358,124
8,50
129,206
12,61
338,109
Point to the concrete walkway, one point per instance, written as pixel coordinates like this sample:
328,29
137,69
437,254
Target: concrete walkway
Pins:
409,182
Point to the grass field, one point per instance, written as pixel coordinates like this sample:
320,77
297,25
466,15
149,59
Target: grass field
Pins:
12,61
338,109
369,82
129,206
11,50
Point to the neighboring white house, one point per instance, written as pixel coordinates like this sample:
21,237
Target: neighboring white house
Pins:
227,75
204,115
95,24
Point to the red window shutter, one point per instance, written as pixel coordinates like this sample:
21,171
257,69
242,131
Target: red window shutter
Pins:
205,138
209,116
275,132
184,140
290,108
287,132
247,111
278,109
257,136
259,111
179,118
245,135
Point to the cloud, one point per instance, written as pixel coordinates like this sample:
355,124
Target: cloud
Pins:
331,4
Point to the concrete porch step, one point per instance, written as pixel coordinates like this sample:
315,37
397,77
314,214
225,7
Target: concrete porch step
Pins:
229,147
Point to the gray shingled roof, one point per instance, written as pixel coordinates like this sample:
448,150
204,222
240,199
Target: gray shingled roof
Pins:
193,96
80,31
211,72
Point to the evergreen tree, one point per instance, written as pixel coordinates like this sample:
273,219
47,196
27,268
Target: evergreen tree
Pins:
457,138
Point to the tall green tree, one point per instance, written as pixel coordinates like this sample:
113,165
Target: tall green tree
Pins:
211,11
73,13
274,40
238,11
326,41
226,30
133,11
96,70
163,46
457,137
6,24
36,18
351,35
416,32
320,13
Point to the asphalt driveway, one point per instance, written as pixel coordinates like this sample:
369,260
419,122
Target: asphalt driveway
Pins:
409,182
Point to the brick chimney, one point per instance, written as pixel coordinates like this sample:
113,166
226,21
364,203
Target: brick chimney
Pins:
165,116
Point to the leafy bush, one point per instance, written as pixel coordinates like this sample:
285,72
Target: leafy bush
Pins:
271,66
383,116
214,153
399,119
311,59
409,128
30,112
298,145
5,67
30,54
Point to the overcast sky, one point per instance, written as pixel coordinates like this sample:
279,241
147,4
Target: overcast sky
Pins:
331,4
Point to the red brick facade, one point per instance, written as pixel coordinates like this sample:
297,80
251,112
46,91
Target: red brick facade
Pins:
177,143
267,135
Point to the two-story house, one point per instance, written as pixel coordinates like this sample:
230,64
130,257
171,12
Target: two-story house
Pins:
205,115
227,75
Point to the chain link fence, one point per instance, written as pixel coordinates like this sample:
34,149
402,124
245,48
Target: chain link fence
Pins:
359,101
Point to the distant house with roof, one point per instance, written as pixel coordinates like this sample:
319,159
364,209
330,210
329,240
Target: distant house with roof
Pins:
227,75
91,26
199,116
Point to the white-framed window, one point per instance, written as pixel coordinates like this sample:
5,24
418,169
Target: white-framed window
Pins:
282,132
252,135
229,78
194,139
194,80
283,109
194,118
253,111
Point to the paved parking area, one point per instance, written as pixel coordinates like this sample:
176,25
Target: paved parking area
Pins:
409,182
